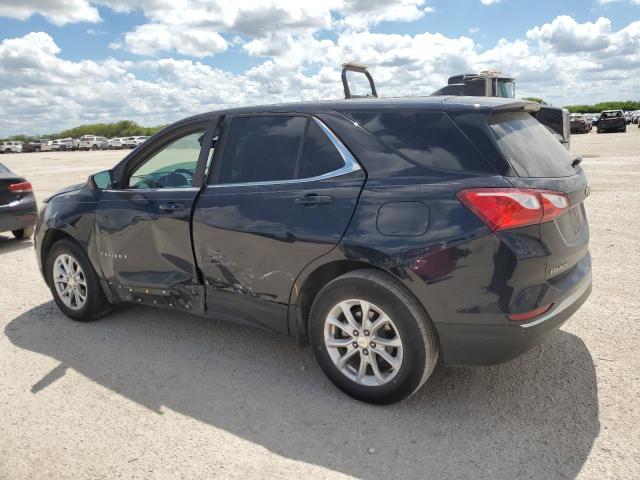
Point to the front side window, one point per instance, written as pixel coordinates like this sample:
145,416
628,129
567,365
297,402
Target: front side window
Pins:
172,167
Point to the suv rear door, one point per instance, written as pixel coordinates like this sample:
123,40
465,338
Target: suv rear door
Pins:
281,194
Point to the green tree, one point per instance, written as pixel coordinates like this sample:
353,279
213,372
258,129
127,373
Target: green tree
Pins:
537,100
627,105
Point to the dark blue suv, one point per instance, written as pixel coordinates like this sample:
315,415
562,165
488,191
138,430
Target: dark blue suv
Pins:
388,233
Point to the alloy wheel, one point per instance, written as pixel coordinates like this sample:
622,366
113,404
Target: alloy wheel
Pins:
70,281
363,342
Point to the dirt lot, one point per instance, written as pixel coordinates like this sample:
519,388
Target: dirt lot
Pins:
147,393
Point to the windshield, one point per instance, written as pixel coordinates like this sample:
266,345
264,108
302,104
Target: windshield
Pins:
3,169
531,150
505,89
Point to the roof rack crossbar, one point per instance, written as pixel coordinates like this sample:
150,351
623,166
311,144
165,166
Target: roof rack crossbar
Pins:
358,68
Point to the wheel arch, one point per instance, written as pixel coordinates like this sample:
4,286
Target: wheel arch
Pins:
309,284
52,236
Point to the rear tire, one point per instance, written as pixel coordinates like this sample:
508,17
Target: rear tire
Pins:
26,232
95,304
395,328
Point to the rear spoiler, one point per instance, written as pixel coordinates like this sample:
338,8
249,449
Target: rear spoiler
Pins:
518,106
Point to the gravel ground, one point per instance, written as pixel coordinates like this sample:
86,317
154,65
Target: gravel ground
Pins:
149,393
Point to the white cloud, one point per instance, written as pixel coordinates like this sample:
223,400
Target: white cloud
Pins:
557,61
489,2
152,38
58,12
564,34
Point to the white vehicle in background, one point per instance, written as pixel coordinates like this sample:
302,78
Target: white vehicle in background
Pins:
53,146
116,143
71,143
90,142
11,147
133,142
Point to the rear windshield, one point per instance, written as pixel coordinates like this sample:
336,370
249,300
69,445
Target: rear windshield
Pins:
611,114
531,150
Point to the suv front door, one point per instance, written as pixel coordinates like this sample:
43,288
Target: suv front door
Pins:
142,230
281,194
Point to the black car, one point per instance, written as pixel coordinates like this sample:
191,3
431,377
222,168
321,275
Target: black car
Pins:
33,146
388,233
612,121
18,209
579,123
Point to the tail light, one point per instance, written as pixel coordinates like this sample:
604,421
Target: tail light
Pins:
506,208
521,317
22,187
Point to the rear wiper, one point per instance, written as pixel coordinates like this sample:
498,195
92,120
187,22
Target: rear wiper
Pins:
577,160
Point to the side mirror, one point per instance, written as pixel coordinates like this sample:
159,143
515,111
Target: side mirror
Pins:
101,180
577,160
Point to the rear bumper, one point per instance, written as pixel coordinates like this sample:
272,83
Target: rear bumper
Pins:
468,344
21,215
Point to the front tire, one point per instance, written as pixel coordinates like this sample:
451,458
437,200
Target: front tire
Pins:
371,338
74,283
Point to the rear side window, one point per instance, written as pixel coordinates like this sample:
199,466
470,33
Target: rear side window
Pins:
529,147
262,149
276,148
319,155
429,139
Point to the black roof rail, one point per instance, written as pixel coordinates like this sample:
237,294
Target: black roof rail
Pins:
359,68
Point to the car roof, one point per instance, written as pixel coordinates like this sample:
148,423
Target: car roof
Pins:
435,103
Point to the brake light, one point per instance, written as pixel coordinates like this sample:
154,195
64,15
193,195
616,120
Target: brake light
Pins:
506,208
22,187
521,317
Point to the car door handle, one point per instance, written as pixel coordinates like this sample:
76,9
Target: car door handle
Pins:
313,199
171,207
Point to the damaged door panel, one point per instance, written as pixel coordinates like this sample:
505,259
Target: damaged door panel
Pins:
143,231
254,230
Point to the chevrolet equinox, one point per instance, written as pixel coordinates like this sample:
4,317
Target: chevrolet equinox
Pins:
388,233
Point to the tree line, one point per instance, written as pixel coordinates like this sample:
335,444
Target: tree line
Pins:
627,105
124,128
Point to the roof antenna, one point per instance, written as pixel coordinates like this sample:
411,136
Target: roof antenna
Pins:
359,68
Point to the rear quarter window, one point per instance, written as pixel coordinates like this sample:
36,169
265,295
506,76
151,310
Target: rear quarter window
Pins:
429,139
529,147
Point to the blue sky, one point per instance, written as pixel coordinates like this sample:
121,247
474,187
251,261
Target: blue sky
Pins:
144,60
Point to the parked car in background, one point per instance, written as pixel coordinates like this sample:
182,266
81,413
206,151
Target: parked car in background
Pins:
391,234
57,145
18,209
71,143
627,117
90,142
594,119
133,142
116,143
33,146
556,120
612,121
579,123
11,147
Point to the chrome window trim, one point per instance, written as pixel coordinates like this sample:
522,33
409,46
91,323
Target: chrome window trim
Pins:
350,165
